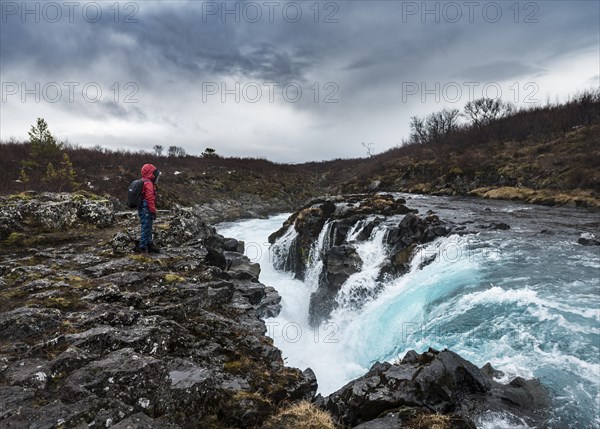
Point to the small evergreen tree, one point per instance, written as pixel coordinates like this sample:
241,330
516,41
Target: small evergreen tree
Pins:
43,143
67,173
23,176
50,175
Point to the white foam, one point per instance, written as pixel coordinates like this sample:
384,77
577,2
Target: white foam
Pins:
500,420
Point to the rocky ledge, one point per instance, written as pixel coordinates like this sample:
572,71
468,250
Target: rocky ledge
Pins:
93,336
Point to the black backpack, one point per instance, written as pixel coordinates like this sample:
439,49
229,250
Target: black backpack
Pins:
134,194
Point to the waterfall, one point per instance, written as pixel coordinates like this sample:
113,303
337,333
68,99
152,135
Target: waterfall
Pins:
524,301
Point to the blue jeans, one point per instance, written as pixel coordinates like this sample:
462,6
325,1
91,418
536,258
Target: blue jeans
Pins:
146,225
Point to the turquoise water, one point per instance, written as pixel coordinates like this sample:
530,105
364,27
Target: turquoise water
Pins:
527,300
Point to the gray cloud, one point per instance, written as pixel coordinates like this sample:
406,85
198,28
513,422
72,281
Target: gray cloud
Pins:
500,71
369,54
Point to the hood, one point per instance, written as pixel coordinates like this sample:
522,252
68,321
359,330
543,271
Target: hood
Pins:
149,172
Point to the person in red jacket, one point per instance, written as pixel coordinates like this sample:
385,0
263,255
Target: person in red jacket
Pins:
147,210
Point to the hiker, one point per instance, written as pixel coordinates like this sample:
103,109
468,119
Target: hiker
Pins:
147,209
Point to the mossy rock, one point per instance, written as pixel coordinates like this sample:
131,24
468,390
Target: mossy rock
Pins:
173,278
15,239
23,196
86,195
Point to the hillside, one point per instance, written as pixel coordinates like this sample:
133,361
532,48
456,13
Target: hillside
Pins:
546,155
554,171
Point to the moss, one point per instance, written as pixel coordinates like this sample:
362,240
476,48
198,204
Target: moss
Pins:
173,278
141,258
15,239
86,195
237,366
18,276
23,196
66,327
546,197
79,282
456,171
147,259
12,294
19,239
241,395
69,302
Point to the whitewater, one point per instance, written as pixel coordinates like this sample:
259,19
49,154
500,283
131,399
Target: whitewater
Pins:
525,299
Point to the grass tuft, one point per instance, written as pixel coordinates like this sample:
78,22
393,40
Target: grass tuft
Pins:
302,415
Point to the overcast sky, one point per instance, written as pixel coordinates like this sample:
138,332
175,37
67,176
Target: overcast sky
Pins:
288,81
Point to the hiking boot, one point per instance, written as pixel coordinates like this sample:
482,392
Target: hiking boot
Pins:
153,249
142,250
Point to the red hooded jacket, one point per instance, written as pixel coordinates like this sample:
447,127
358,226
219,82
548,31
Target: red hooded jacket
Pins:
149,189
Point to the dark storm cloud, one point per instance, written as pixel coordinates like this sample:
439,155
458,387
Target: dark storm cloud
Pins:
369,53
173,37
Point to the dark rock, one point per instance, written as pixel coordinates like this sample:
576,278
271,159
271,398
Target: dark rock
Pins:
340,263
490,372
270,304
124,375
441,382
240,266
310,381
247,410
12,398
233,245
142,421
219,293
28,323
587,241
216,258
496,225
90,412
409,417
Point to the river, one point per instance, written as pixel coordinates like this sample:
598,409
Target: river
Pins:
525,299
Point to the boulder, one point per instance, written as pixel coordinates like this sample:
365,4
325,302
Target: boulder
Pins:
442,382
240,266
588,239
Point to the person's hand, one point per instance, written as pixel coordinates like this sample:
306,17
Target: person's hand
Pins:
153,215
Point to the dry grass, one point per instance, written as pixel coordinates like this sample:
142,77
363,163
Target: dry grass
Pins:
576,197
434,421
302,415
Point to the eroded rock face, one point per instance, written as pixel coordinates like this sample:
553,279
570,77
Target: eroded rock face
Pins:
330,229
441,382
